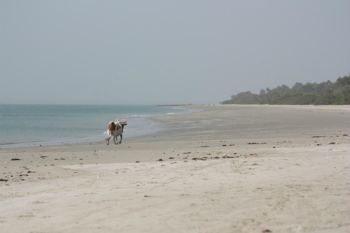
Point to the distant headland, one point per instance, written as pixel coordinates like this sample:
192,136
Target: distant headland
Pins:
325,93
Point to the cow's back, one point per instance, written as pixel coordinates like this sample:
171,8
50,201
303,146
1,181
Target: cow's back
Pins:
111,126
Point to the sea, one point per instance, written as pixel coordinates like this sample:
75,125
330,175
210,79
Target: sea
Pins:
42,125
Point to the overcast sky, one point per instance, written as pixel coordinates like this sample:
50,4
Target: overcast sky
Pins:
159,51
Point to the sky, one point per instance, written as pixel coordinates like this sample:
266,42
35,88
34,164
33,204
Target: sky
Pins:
166,52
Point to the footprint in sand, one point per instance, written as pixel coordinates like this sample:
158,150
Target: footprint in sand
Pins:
25,216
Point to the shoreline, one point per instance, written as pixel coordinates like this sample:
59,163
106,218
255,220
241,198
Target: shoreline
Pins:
220,169
137,130
159,124
172,125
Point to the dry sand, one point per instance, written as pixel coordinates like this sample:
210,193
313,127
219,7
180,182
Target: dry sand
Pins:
217,169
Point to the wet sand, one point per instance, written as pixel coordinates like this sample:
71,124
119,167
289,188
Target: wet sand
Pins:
217,169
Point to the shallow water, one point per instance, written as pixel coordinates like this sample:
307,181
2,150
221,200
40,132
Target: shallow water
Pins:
32,125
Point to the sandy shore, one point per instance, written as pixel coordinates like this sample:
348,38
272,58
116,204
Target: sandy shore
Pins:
217,169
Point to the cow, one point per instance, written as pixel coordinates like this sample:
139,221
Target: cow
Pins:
115,129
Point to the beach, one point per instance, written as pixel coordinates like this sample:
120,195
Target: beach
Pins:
219,168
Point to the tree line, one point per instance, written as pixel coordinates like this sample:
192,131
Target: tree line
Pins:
328,92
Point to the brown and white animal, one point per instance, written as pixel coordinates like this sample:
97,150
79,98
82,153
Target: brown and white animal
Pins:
115,129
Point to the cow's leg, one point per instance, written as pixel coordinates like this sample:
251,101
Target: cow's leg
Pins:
109,135
121,139
107,140
115,139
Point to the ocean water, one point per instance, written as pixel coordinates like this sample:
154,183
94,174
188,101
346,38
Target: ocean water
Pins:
34,125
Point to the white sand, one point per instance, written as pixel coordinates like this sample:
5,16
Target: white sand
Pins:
224,169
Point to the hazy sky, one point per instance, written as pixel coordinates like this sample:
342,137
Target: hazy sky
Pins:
159,51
